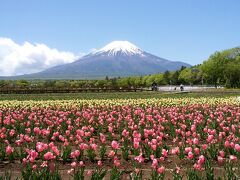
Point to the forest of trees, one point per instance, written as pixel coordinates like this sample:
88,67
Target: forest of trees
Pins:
107,83
222,68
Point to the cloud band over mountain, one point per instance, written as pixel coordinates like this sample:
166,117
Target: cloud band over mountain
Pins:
17,59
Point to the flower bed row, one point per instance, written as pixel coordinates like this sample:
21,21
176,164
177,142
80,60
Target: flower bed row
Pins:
168,138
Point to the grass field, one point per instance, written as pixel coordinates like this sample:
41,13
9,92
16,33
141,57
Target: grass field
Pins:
118,95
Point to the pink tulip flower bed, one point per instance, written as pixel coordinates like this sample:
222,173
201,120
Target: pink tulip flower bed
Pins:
120,142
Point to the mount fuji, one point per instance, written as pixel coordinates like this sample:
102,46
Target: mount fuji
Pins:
119,58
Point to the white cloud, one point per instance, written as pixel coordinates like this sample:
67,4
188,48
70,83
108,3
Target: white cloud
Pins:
93,50
17,59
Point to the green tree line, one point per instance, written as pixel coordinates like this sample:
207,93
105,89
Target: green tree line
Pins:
165,78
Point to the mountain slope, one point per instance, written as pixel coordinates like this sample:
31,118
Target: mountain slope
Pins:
119,58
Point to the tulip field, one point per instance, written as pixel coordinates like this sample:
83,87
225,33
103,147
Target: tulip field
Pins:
165,138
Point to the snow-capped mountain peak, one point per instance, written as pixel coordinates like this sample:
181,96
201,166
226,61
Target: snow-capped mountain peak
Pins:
117,59
123,47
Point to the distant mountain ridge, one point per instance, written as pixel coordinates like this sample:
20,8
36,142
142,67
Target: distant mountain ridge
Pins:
117,59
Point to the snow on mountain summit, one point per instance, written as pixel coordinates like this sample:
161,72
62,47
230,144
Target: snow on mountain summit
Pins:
116,47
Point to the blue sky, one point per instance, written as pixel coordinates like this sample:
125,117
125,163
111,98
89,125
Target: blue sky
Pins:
184,30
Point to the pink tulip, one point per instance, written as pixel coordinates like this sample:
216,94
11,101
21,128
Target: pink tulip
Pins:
73,164
37,130
44,164
12,132
9,150
111,154
204,146
80,132
61,138
152,157
201,159
139,158
154,163
93,146
162,158
125,133
81,164
135,145
55,150
177,170
190,155
220,160
99,163
197,166
210,138
195,141
83,146
237,147
32,155
154,147
136,170
24,161
110,129
197,151
34,167
115,145
233,128
222,154
102,138
116,162
49,156
175,151
41,146
232,145
188,133
161,170
164,152
70,171
232,158
227,144
66,143
77,153
89,173
188,149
